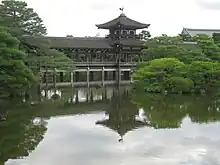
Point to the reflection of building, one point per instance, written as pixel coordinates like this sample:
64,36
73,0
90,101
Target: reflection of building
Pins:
122,114
51,94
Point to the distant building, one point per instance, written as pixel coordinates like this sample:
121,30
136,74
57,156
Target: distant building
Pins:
194,32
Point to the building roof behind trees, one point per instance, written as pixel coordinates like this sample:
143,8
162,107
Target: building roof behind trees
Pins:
194,32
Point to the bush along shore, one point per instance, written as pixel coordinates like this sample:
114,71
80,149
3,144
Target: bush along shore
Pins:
169,67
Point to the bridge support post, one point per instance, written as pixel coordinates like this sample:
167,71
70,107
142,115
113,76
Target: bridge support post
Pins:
103,76
87,76
61,77
118,75
71,78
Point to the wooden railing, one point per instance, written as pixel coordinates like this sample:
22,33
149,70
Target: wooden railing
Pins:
104,63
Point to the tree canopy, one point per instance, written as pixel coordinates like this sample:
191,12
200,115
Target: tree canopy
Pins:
15,76
20,19
169,66
21,63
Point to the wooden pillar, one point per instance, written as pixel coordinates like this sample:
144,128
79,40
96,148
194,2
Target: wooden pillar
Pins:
77,96
87,76
103,76
61,76
119,75
54,78
87,55
106,96
119,70
71,78
91,96
44,77
77,55
102,56
87,95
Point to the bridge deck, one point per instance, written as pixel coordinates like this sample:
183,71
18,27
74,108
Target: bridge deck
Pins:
81,64
92,83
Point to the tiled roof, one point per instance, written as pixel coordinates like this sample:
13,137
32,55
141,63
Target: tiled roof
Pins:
78,42
125,21
194,32
70,42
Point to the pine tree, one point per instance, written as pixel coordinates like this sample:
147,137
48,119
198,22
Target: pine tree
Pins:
15,76
20,19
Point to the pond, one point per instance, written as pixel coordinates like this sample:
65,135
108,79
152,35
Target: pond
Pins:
112,126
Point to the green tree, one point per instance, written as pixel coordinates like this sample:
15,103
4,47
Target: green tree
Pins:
43,57
208,46
163,74
216,38
206,75
145,34
20,19
172,47
15,76
164,40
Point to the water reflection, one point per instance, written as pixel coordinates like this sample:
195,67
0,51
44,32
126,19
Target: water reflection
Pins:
20,135
121,114
90,122
168,112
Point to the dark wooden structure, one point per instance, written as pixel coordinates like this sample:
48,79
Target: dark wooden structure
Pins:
117,53
121,114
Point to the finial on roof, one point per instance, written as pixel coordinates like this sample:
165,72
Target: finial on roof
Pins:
121,9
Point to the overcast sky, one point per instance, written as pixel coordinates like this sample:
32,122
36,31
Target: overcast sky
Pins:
78,17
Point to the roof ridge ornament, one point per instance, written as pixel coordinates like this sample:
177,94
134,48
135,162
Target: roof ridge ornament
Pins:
121,9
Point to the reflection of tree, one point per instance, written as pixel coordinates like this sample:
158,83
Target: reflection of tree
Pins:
204,109
168,111
162,111
20,134
121,114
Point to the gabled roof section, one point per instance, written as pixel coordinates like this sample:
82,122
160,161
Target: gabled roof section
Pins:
70,42
125,21
194,32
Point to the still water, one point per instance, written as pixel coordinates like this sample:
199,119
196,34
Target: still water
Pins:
112,126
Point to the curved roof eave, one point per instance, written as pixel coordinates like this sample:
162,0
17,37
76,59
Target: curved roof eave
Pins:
125,21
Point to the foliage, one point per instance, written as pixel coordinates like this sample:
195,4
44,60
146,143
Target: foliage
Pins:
169,74
179,84
46,58
216,38
205,75
208,47
15,76
20,19
201,66
145,35
164,40
157,73
171,47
